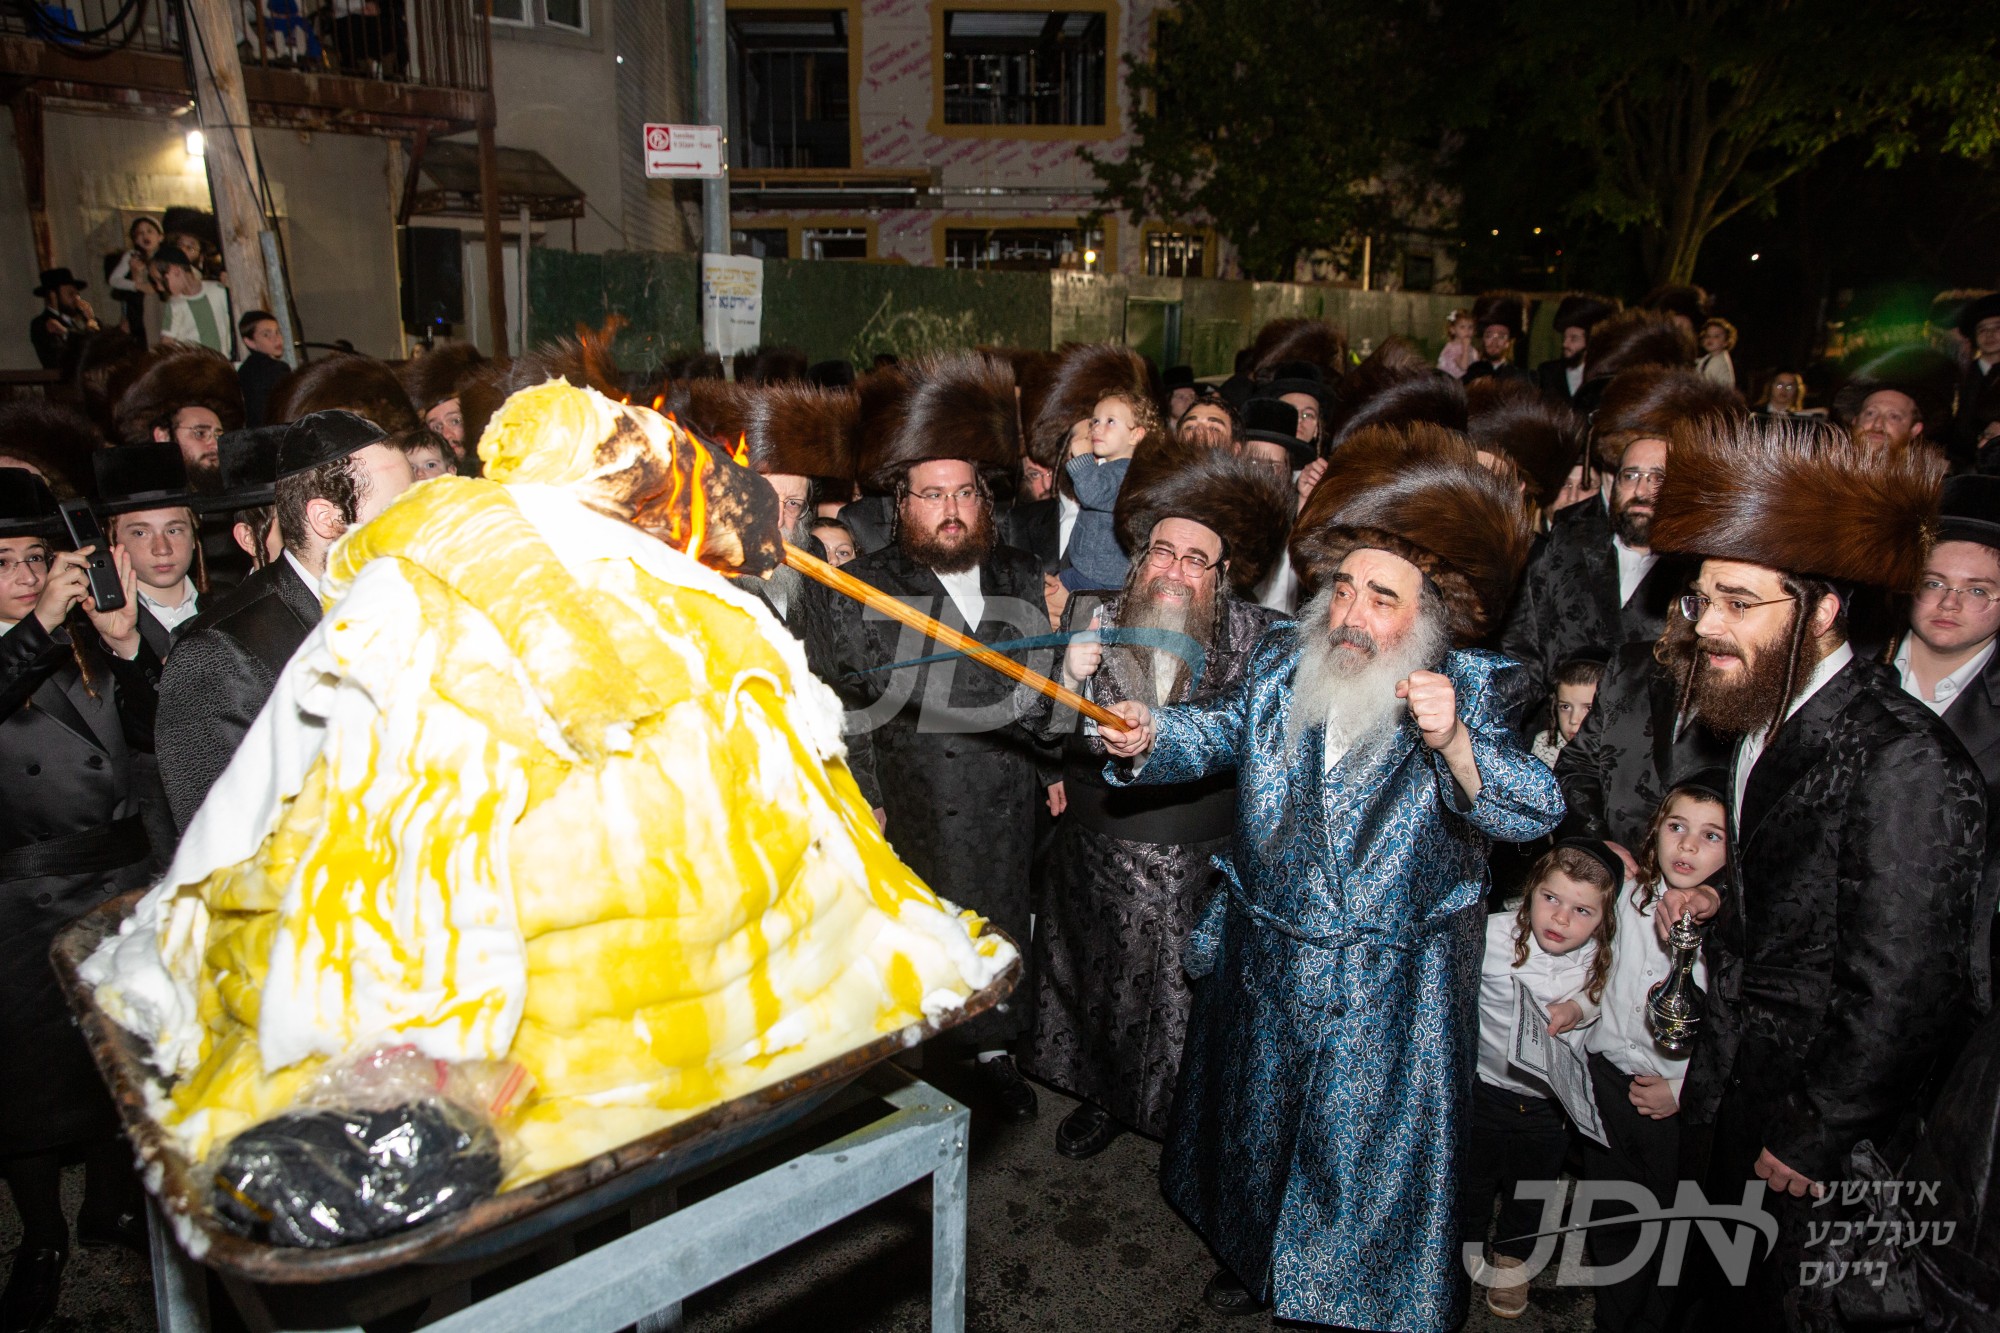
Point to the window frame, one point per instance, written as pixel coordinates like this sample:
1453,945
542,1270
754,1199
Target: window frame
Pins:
1114,73
946,223
583,12
855,51
527,19
1210,239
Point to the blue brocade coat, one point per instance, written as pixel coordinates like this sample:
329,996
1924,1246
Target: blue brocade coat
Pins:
1314,1143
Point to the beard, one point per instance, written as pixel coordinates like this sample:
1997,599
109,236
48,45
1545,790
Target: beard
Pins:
1751,698
1633,525
1346,681
204,473
965,546
785,583
1156,676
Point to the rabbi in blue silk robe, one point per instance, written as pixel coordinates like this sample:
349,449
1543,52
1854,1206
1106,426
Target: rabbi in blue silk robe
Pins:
1314,1143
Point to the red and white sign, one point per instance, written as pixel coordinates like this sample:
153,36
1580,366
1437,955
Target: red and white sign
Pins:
683,150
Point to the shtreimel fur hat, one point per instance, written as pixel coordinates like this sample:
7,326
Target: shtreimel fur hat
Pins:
1652,403
1310,340
1802,498
1544,440
959,406
346,383
170,378
1247,506
1420,493
802,430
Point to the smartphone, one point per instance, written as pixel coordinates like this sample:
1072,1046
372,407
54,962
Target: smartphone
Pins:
85,530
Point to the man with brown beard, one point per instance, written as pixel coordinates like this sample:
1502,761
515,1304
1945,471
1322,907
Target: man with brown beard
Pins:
1594,581
1838,945
1133,868
935,745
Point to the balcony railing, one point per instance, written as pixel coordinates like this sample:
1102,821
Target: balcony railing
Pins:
426,43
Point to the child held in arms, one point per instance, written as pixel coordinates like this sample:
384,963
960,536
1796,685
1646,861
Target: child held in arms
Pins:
1117,426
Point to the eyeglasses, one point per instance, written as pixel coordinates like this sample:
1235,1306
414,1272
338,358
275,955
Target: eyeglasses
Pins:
964,497
1635,476
1934,590
199,432
38,564
1732,609
791,506
1194,564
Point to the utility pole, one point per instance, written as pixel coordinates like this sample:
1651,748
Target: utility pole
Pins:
714,110
230,154
489,201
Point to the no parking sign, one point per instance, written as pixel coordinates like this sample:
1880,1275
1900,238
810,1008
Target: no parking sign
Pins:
683,150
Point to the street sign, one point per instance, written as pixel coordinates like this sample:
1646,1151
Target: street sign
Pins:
683,150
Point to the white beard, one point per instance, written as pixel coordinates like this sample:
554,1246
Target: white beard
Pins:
784,583
1350,693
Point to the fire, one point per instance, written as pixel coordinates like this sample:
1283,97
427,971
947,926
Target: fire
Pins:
741,453
688,482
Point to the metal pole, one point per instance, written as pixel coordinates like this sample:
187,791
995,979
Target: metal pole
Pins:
489,198
714,110
527,246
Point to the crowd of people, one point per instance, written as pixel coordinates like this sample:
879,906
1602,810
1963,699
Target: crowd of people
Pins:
1444,693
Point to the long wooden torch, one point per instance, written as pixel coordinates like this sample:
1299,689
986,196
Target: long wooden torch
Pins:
868,595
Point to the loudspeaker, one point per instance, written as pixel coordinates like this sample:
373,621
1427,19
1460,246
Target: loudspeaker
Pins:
433,279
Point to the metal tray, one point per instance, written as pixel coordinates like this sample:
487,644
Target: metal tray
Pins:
490,1231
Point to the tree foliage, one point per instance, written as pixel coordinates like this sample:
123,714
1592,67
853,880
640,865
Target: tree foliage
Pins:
1689,112
1275,120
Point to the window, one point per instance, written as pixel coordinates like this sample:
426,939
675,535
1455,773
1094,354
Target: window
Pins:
833,243
761,243
571,14
1024,67
788,73
1176,254
510,11
1028,249
1419,273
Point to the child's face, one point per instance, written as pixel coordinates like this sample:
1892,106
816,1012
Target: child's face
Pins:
1566,913
1112,434
1572,707
1692,844
264,337
426,462
1461,330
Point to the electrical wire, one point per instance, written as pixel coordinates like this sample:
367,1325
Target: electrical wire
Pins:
41,25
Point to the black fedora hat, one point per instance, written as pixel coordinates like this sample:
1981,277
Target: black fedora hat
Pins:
247,461
140,476
1275,421
1970,510
53,278
1177,377
319,438
1296,377
27,506
1978,308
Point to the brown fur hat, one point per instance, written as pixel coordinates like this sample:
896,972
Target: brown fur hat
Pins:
1800,497
955,406
1245,505
1508,309
1636,338
1511,418
716,410
802,430
167,379
434,377
1649,403
1386,396
1420,493
352,383
55,439
771,365
584,360
1310,340
1084,373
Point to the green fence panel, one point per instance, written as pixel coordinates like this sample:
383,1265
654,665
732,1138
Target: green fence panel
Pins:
855,311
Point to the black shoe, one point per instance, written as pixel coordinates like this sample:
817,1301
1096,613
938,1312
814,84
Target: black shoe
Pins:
127,1230
1226,1294
29,1301
1012,1097
1086,1132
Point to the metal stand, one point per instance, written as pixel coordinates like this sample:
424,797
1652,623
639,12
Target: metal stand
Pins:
642,1277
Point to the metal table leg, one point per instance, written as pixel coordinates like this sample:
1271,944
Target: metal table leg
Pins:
642,1277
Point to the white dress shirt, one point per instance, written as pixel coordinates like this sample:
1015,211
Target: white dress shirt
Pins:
1639,962
1550,978
1066,511
1573,375
1946,690
963,588
1633,566
1751,747
172,617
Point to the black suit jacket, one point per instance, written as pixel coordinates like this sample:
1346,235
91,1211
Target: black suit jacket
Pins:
259,374
224,665
1626,757
1505,370
1552,376
1568,598
1974,717
1036,527
1839,963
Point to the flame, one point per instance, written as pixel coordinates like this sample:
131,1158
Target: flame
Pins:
697,502
660,401
687,482
741,453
